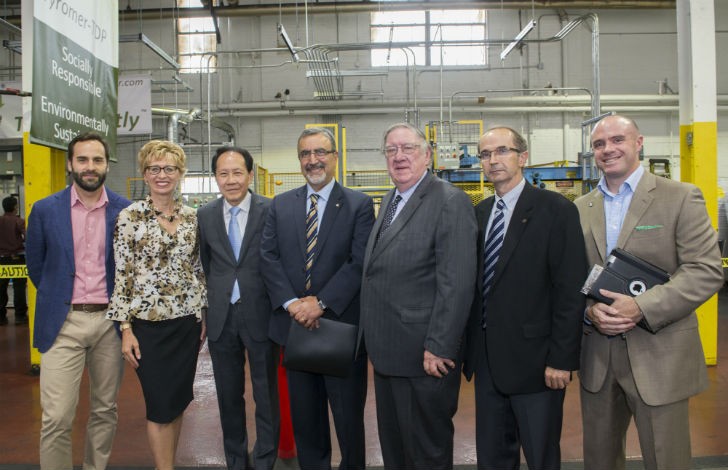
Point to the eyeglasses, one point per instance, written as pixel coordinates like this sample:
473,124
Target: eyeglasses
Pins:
501,151
304,154
407,149
155,170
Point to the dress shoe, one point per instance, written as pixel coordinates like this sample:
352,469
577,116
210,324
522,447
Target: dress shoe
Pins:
3,320
21,320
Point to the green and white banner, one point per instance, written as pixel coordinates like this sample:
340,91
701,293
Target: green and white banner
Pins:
75,70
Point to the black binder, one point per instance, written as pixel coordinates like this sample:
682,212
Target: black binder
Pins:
328,349
626,274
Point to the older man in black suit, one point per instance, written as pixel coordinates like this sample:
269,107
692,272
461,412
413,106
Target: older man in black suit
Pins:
239,310
312,251
525,325
419,273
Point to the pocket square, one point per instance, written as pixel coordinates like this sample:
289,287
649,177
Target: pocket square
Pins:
640,228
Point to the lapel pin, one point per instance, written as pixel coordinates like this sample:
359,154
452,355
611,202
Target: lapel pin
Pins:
338,205
591,204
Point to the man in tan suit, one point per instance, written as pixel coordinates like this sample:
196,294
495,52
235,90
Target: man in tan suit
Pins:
626,370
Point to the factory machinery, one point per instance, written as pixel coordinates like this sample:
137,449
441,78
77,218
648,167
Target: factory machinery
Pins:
455,159
455,155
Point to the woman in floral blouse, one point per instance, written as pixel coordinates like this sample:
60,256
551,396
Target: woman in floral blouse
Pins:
159,295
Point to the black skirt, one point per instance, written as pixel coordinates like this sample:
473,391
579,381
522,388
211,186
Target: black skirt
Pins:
166,371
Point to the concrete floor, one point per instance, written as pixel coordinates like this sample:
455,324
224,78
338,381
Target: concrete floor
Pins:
201,441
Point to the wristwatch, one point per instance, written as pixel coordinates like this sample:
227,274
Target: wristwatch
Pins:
322,305
125,325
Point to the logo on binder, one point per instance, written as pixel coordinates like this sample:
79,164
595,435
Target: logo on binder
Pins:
637,287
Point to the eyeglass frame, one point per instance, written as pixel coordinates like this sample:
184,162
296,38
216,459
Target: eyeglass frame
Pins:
156,169
394,149
319,153
500,151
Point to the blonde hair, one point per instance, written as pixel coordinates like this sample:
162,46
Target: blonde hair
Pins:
158,149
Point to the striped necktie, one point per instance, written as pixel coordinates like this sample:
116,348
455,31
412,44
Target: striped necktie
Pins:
493,245
311,236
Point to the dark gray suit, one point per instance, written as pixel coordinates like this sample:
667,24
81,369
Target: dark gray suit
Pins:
417,288
233,329
335,280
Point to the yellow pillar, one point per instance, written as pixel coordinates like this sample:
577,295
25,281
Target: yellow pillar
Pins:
44,171
698,128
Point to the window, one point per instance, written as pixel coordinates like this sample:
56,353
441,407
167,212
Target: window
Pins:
430,29
196,184
195,41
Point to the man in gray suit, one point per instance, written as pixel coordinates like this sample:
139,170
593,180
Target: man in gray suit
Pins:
626,370
239,310
417,286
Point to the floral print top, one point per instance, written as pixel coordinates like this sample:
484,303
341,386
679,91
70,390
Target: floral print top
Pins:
158,274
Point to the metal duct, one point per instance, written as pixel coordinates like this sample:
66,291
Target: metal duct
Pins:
177,116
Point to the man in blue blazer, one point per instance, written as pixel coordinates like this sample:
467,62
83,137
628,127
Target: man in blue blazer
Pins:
71,262
311,270
239,311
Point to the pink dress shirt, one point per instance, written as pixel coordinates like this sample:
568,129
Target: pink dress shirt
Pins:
89,250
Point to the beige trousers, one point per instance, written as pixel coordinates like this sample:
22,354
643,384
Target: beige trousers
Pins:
663,431
85,340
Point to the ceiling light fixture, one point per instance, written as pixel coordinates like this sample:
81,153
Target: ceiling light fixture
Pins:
527,29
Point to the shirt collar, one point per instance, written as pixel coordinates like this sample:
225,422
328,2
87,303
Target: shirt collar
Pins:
244,204
631,182
511,197
324,193
409,191
103,200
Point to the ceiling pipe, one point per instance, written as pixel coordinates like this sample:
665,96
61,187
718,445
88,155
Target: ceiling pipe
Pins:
136,14
478,94
184,116
500,105
535,100
174,117
586,110
362,7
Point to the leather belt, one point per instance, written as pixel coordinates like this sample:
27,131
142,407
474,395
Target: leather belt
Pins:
89,308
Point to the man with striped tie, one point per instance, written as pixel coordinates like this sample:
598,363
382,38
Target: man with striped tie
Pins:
312,254
525,326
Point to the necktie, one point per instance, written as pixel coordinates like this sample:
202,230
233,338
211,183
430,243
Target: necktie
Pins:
235,243
311,236
389,215
493,245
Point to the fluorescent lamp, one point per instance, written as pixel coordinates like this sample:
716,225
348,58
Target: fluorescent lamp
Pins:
527,29
287,41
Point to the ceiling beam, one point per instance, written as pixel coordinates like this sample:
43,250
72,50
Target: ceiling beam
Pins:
131,14
369,6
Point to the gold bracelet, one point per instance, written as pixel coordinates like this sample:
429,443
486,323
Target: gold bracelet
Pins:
125,325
